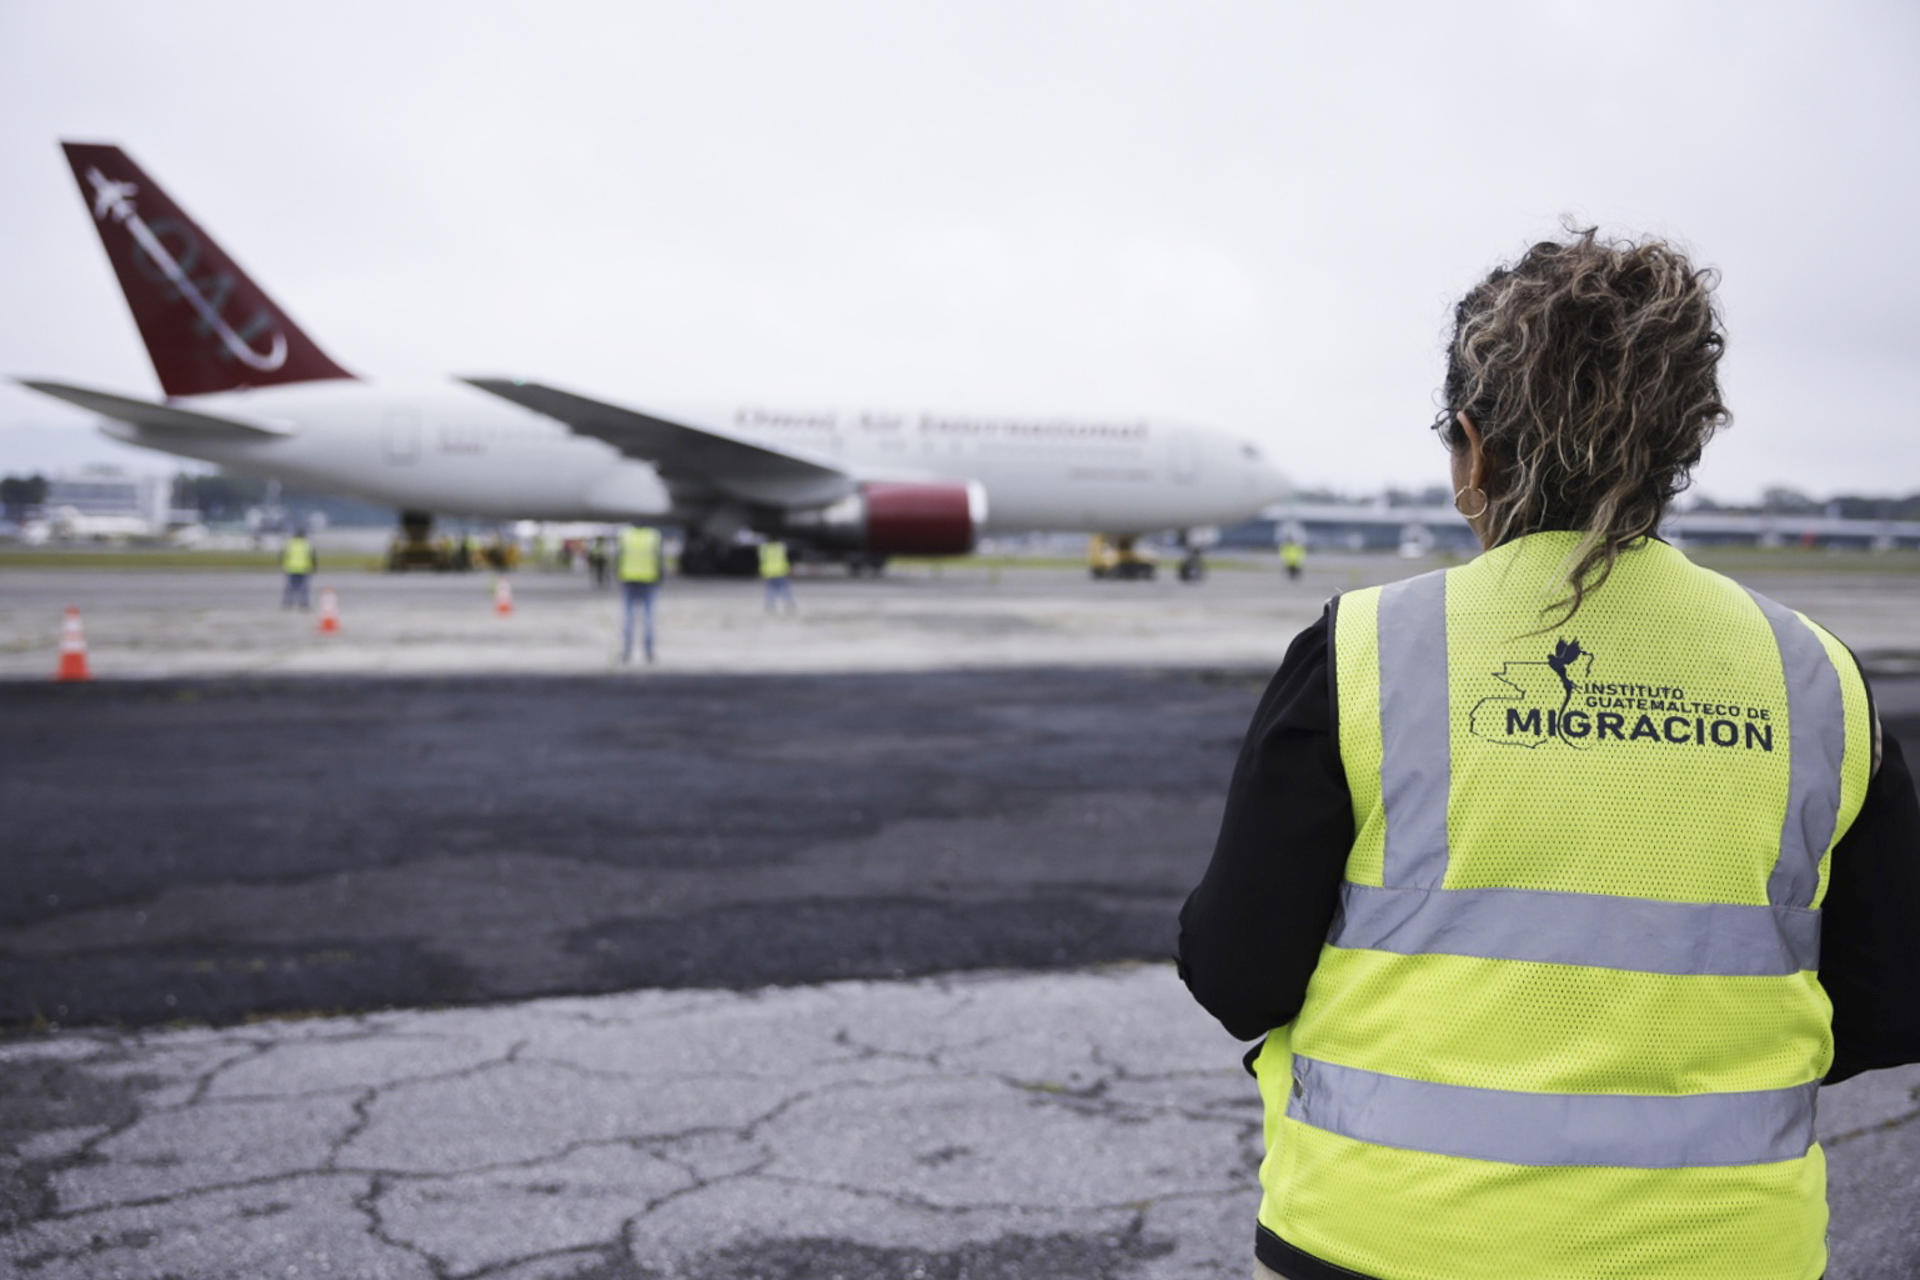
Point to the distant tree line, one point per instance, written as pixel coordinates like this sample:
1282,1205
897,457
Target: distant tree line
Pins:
17,493
1794,502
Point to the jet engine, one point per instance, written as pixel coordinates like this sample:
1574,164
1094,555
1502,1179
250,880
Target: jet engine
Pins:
890,518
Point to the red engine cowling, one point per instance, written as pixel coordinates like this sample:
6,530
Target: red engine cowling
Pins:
924,519
940,518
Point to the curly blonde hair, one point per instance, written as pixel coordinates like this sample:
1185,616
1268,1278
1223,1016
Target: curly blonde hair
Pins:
1590,368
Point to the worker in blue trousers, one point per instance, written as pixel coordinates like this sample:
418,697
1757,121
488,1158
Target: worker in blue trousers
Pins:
639,583
298,562
777,571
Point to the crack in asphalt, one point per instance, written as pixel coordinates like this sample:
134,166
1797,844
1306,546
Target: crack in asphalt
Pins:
368,1205
204,1086
362,1117
1887,1125
907,1200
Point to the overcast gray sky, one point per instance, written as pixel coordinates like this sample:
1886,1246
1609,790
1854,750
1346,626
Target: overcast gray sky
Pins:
1250,215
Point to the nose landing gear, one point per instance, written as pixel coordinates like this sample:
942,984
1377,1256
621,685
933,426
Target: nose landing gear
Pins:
1193,566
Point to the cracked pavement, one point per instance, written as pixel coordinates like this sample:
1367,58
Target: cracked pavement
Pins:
1096,1119
1092,1123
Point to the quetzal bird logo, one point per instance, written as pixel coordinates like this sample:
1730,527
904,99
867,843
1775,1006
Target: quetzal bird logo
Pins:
1565,654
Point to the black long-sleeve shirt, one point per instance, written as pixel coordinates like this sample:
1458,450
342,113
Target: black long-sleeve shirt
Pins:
1251,933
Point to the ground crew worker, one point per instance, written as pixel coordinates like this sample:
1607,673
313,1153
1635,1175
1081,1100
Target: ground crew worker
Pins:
639,581
298,562
778,575
1294,557
1540,900
597,560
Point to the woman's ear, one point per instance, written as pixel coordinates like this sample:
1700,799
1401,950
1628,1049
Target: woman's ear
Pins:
1479,466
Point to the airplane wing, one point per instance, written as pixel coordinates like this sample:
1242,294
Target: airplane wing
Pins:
687,457
164,418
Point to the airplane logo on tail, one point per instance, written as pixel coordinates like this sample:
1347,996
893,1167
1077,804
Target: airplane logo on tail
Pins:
115,200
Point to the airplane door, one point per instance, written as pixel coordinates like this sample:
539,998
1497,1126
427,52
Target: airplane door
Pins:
403,436
1183,456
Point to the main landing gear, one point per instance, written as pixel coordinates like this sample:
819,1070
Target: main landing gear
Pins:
413,546
702,556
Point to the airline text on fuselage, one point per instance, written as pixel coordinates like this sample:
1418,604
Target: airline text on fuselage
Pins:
931,424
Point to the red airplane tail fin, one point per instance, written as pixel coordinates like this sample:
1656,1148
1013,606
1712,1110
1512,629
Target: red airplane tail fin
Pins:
207,325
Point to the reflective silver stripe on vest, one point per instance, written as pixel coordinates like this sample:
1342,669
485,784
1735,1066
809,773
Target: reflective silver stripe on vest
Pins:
1630,1131
1416,747
1641,935
1816,747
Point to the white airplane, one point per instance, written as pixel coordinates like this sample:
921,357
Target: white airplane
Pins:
245,388
70,524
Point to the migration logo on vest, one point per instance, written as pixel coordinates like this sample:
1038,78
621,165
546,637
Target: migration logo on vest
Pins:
1557,700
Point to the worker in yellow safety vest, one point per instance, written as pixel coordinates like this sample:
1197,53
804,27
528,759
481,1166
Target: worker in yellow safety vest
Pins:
298,562
1524,867
778,574
640,564
1294,557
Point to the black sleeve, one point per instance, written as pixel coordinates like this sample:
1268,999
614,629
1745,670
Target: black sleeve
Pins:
1870,927
1251,933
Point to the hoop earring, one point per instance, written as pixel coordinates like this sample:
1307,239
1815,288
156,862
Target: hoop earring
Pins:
1485,502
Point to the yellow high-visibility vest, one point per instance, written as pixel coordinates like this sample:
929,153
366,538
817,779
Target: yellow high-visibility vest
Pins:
773,560
1292,554
297,556
639,555
1567,1024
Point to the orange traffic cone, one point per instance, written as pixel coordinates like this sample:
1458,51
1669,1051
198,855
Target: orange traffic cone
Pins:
329,612
73,649
502,597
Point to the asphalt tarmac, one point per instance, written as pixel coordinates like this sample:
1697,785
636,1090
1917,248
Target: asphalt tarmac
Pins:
217,849
212,850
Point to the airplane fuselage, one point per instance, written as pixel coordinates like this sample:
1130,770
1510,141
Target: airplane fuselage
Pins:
448,448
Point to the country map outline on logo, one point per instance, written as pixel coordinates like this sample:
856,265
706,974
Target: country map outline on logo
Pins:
1571,665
